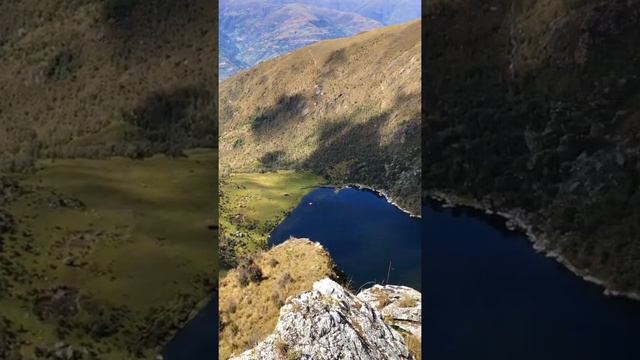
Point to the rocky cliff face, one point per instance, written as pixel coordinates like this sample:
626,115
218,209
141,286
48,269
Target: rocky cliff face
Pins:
329,322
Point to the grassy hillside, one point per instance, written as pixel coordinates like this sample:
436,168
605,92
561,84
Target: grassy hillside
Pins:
251,295
533,107
107,256
347,109
102,77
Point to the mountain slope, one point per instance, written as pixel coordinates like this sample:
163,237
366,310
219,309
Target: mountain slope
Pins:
253,31
388,12
542,123
102,77
347,109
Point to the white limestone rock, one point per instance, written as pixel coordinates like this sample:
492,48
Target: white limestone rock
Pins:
401,306
330,323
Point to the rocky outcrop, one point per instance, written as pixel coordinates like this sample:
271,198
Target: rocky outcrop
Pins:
400,306
329,322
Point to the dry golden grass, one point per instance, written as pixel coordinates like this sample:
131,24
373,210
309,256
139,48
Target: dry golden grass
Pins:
383,299
407,301
374,68
414,345
248,314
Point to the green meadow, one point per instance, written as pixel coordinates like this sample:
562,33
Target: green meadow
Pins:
112,256
252,205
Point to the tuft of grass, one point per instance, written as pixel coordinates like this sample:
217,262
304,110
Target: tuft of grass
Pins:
62,64
383,299
282,348
294,355
407,301
414,345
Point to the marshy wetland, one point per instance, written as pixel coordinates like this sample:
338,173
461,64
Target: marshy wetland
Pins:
108,258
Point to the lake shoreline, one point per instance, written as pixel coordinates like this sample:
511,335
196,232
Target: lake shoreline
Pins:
379,192
192,314
514,220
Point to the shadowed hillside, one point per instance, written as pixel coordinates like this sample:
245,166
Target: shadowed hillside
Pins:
346,109
533,108
80,77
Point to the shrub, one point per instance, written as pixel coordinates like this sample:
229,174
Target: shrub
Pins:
284,280
238,143
119,10
278,298
249,272
62,65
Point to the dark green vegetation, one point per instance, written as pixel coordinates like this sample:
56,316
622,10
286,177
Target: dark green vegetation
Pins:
535,105
347,110
96,78
105,259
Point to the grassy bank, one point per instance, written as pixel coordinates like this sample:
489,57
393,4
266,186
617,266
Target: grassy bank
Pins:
249,310
252,204
110,256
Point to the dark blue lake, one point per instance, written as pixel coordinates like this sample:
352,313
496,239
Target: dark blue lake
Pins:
369,239
198,339
489,295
